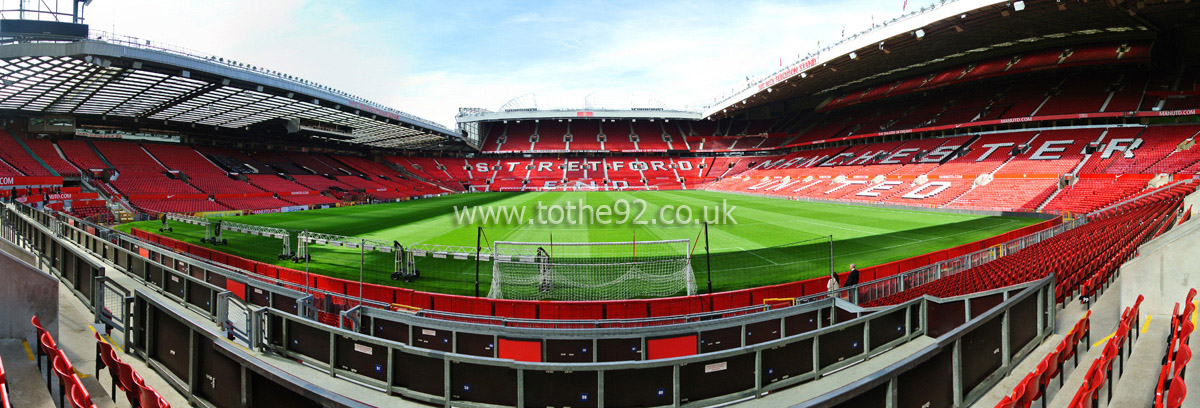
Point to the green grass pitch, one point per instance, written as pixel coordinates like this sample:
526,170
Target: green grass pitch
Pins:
753,252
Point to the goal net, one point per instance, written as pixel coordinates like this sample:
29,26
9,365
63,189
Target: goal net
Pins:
591,270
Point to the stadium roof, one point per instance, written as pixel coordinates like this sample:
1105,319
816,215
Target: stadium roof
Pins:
952,32
112,76
466,116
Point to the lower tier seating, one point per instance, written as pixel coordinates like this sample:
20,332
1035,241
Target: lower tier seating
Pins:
1082,258
1088,195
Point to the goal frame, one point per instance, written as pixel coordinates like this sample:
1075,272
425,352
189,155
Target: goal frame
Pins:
541,255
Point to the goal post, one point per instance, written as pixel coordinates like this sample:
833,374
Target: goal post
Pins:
577,271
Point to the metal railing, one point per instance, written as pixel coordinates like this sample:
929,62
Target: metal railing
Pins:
887,286
747,368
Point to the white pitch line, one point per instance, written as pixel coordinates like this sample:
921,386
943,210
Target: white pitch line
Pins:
923,240
760,256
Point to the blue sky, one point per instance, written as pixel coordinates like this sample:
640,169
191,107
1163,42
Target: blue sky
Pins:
431,57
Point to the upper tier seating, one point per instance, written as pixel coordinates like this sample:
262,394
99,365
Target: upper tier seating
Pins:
550,136
618,136
584,135
1081,93
46,151
312,163
1036,60
15,155
8,171
320,183
232,160
140,174
129,159
275,184
184,159
266,160
157,184
223,185
81,154
359,183
650,136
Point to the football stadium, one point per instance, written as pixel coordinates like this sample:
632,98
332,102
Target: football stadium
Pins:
971,203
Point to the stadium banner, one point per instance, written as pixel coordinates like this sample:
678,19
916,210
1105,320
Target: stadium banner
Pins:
1146,177
264,211
72,196
36,198
294,208
15,181
168,197
219,213
1183,112
242,195
297,193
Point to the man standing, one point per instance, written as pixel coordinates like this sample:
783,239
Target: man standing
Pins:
851,278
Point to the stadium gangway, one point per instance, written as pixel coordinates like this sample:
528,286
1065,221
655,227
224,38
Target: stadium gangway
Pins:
890,285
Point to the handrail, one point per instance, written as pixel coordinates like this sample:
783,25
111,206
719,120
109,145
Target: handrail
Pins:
889,285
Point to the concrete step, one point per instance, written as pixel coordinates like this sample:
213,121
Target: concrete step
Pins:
1136,388
1106,312
26,384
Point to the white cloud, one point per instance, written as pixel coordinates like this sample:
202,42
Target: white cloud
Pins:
679,53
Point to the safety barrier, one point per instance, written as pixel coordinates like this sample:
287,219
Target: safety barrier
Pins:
742,357
884,287
507,369
510,311
964,362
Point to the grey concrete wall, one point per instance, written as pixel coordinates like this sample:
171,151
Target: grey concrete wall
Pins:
1192,201
1164,270
25,292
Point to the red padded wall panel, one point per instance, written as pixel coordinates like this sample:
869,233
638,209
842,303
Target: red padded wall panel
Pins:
520,350
670,347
